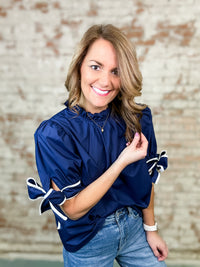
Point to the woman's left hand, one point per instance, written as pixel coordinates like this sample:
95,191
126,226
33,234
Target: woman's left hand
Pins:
158,245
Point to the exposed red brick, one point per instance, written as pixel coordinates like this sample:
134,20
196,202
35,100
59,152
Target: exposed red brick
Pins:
137,34
185,30
195,91
143,56
21,229
21,93
17,117
56,5
146,42
49,225
192,158
175,95
65,22
71,23
58,35
11,46
140,8
157,110
43,7
93,10
162,35
3,13
174,145
22,7
133,30
52,45
2,221
13,193
49,44
2,118
179,79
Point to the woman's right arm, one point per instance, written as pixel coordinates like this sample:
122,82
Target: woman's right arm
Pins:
79,205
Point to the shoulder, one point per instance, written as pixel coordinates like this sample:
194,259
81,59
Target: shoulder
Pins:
146,121
146,114
54,127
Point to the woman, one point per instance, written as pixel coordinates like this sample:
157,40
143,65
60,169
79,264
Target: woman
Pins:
97,159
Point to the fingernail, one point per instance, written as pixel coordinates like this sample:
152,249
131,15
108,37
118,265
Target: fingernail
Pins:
137,134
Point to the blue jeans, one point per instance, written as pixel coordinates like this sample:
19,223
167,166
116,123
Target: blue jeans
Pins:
122,238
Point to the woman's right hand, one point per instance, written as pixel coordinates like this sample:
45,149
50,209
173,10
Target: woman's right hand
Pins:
134,151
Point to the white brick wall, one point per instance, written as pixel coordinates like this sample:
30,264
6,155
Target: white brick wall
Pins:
36,44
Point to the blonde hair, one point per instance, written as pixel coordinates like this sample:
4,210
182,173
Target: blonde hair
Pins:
130,76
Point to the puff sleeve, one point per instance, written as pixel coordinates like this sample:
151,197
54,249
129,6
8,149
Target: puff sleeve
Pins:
156,163
57,159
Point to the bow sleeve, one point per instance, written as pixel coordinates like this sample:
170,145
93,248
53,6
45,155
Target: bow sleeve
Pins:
57,159
50,200
156,163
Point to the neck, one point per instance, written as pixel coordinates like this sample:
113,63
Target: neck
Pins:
92,110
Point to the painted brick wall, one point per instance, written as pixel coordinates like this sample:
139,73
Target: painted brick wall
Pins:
37,39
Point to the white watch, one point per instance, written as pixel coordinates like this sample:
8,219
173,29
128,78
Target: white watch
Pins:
150,228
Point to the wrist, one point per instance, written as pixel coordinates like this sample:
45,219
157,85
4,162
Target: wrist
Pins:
121,163
150,228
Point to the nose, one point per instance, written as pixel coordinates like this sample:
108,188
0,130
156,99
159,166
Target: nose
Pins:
104,79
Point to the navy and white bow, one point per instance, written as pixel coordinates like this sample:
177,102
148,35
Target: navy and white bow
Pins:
50,200
157,165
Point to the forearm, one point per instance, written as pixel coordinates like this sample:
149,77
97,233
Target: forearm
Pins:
91,195
156,243
148,213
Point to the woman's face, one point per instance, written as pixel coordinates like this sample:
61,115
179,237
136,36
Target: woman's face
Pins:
100,80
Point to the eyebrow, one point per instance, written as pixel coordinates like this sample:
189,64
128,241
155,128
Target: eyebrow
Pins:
97,62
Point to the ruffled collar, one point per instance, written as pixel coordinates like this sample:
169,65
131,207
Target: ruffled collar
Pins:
96,116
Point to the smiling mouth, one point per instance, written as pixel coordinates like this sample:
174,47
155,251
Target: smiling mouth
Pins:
100,92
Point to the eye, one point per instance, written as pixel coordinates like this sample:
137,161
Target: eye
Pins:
95,67
115,72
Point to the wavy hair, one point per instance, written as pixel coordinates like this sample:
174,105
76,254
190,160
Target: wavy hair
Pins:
130,76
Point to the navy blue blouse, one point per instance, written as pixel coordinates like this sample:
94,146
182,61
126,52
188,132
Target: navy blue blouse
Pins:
73,151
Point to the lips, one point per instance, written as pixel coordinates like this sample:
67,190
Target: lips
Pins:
100,92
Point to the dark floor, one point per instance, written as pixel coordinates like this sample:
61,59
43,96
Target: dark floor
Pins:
27,263
31,263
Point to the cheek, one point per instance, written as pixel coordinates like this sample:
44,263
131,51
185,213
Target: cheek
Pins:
115,93
117,84
86,78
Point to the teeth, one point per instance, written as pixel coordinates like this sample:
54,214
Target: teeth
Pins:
100,91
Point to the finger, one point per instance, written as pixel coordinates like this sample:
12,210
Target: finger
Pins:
137,135
163,253
136,139
162,258
143,138
143,141
156,252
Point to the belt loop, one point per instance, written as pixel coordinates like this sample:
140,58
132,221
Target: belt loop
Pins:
129,210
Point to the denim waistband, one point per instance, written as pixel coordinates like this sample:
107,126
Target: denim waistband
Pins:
120,213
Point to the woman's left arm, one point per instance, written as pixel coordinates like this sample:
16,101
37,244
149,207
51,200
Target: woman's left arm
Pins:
156,243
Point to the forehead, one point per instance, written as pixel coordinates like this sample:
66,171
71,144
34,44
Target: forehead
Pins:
102,50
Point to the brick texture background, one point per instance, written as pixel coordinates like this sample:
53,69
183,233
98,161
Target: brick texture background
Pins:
37,39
